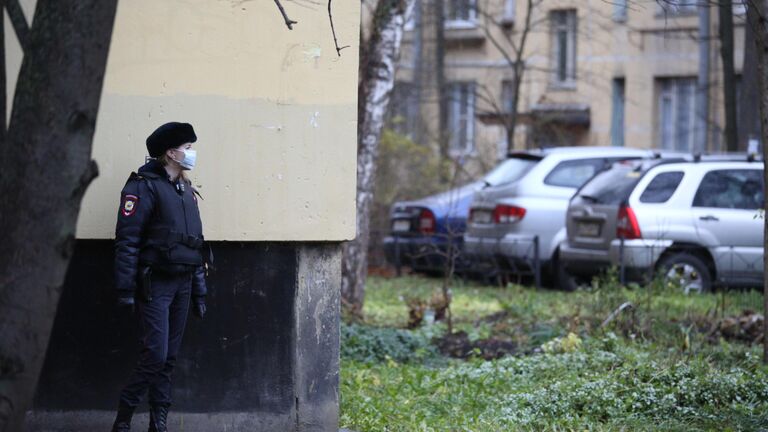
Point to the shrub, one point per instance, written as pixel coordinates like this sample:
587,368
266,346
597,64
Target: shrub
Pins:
377,344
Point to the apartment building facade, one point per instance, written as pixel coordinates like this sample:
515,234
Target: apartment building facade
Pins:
621,73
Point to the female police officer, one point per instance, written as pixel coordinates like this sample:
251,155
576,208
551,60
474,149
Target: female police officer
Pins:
158,266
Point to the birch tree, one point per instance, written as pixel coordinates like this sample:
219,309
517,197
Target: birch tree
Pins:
46,166
378,58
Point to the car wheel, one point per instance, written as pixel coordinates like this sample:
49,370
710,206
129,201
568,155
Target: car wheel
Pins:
687,271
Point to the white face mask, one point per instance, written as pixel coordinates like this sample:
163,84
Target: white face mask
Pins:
188,162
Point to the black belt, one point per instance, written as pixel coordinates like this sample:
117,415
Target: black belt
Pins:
162,236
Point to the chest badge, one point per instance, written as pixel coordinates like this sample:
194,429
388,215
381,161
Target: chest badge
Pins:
129,205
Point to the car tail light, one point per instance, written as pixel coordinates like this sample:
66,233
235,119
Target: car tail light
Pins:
427,222
508,214
626,225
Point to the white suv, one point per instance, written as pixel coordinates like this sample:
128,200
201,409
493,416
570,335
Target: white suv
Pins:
700,223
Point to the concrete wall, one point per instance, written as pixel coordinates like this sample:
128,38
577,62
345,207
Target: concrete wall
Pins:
264,359
275,111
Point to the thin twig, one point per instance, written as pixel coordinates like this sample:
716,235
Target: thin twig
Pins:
333,30
288,22
624,306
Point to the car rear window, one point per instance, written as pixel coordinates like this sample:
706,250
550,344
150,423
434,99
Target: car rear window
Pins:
661,188
574,173
510,170
611,186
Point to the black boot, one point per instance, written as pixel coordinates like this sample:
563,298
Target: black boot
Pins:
158,416
123,419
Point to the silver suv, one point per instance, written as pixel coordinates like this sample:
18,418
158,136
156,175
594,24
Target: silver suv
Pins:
516,227
697,222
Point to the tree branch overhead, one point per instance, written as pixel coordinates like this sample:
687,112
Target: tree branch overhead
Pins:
288,22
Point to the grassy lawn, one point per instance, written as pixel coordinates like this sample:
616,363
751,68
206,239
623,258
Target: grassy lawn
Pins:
662,364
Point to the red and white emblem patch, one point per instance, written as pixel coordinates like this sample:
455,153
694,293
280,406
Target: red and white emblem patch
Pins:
129,204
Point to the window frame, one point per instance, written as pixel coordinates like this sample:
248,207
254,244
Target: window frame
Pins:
669,124
510,10
620,8
406,107
565,65
460,146
461,23
677,8
618,111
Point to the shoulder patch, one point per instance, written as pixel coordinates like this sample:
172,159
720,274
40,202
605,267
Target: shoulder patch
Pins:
129,204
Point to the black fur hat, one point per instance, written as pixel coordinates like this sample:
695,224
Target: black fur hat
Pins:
170,135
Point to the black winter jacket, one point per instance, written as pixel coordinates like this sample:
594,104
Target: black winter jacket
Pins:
158,226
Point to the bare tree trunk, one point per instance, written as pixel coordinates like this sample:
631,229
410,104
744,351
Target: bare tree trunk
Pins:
377,76
701,132
749,99
46,167
513,52
442,90
517,80
729,75
756,15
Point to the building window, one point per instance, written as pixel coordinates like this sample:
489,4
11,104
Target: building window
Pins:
739,7
620,10
617,113
677,97
461,117
507,96
509,10
403,110
460,13
563,28
678,7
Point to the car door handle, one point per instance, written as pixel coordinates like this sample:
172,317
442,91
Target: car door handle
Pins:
709,218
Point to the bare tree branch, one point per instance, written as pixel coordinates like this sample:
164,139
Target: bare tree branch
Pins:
333,30
288,22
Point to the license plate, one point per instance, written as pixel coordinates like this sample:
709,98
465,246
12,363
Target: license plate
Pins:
482,217
588,229
401,225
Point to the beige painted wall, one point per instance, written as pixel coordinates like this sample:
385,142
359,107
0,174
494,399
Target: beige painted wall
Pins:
275,112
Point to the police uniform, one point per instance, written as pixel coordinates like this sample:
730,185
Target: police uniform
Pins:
159,268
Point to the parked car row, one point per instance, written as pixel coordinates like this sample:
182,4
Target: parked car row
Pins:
698,222
568,213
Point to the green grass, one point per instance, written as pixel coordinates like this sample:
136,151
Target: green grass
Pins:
385,305
653,369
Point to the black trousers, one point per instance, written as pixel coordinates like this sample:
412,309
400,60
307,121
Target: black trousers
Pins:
162,321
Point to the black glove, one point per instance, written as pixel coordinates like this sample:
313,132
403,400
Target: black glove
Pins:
198,306
126,304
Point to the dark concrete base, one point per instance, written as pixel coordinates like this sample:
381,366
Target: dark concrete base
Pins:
266,357
82,421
